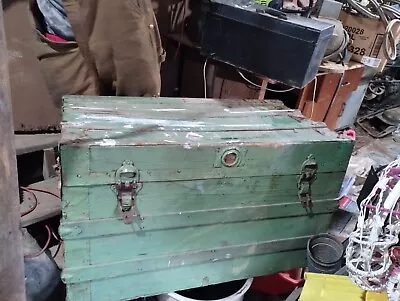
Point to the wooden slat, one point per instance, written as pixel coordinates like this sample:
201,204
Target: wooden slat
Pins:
177,163
189,197
331,67
32,143
165,114
147,222
48,205
140,264
12,284
184,277
246,123
332,91
349,84
125,102
326,87
105,249
142,137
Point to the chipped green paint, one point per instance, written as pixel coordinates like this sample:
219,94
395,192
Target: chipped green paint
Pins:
138,265
200,222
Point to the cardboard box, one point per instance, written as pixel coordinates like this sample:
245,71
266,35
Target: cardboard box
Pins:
367,37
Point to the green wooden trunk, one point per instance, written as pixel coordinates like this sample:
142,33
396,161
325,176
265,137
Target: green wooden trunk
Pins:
215,186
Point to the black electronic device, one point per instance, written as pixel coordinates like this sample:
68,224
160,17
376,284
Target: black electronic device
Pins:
284,47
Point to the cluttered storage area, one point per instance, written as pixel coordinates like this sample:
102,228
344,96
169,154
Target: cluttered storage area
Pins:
200,150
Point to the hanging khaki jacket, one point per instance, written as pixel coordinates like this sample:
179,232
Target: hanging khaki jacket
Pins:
117,51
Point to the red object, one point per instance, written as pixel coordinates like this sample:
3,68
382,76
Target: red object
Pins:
344,201
394,212
349,133
279,283
54,38
394,254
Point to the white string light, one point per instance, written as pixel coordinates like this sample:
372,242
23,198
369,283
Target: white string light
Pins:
314,94
258,86
204,78
367,255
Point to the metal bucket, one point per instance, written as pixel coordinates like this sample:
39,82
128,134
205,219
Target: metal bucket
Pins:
324,254
229,291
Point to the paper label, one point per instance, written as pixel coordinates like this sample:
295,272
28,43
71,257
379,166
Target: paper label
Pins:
370,61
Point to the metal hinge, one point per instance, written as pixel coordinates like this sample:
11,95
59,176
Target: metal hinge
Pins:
126,187
307,177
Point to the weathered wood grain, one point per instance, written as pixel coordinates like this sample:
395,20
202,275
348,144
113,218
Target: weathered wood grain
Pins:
132,102
32,143
177,163
113,226
174,240
198,195
12,284
185,276
137,116
148,136
141,264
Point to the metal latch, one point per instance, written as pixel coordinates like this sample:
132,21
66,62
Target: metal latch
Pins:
307,177
126,187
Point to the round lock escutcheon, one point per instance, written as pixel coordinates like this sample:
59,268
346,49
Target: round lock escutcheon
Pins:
231,158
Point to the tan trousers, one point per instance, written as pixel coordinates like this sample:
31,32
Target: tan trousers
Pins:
117,51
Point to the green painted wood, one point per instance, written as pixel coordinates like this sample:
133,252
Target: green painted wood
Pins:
204,117
121,104
150,222
189,196
180,163
142,264
79,292
278,160
173,118
74,203
187,276
109,248
180,115
192,140
78,253
199,222
142,137
274,123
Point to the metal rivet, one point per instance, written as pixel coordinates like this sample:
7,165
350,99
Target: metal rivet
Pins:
151,26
